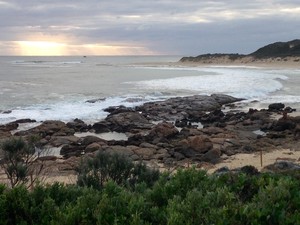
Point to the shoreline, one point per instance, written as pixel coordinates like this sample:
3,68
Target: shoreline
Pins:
226,139
247,61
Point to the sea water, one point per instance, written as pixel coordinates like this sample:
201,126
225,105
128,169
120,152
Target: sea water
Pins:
59,88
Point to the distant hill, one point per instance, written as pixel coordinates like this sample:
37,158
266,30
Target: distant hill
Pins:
275,50
279,49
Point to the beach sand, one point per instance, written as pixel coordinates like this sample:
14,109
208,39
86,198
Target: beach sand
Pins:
287,62
254,159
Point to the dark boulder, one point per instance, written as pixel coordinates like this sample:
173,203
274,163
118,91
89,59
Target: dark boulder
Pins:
275,107
101,127
127,121
78,125
212,156
283,124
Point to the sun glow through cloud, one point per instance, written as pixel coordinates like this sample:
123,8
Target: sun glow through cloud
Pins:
41,48
48,48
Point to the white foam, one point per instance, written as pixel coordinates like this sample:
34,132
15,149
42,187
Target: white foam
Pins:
238,82
67,111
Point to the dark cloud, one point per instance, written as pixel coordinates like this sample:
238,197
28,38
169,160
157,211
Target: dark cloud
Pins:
162,26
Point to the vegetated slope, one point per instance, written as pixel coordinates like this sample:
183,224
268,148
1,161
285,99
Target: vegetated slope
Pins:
277,49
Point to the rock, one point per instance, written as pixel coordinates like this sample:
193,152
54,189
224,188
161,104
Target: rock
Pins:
85,141
212,156
225,99
118,109
147,145
180,108
127,121
101,127
5,134
212,130
163,130
222,170
57,141
127,151
6,112
282,166
9,127
25,121
49,127
283,124
95,100
47,158
275,107
68,151
195,145
92,147
145,153
178,156
200,144
78,125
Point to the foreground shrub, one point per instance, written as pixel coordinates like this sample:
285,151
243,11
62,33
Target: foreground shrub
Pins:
95,172
188,197
19,161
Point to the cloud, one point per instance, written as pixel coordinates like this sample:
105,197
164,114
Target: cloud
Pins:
155,27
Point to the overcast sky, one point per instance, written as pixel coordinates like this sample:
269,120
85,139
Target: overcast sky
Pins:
172,27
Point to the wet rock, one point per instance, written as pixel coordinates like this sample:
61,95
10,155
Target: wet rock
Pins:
5,111
225,99
9,127
78,125
179,108
118,109
275,107
127,121
101,127
25,121
49,127
288,109
95,100
216,115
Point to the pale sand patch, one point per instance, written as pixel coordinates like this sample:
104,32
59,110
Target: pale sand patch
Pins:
288,62
254,159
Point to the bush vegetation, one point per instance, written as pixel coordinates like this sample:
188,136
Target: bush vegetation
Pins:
20,161
111,189
187,197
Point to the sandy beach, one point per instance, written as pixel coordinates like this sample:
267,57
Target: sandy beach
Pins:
287,62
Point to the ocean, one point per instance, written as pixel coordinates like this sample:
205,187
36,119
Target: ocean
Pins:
65,88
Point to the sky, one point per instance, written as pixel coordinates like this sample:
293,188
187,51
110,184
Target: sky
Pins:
144,27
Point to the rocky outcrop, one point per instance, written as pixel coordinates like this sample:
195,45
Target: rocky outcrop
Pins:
162,143
180,108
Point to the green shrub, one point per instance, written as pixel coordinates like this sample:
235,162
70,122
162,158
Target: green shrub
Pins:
19,161
187,197
95,172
